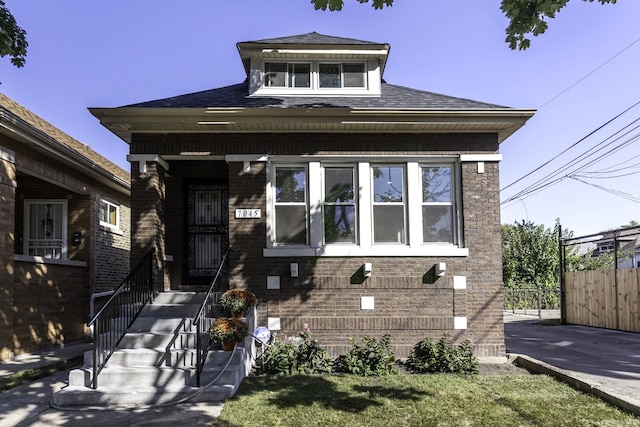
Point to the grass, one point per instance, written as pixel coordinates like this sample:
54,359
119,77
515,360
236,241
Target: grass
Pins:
415,400
28,375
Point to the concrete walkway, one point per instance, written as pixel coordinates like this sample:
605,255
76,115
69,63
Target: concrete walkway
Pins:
29,405
603,362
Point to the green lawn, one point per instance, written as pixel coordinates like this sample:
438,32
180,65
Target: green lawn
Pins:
415,400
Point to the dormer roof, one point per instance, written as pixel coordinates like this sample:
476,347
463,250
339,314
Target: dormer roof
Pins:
312,45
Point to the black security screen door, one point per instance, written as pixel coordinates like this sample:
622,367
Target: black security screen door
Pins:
207,230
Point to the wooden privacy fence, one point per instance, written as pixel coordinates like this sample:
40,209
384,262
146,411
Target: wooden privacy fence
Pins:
605,299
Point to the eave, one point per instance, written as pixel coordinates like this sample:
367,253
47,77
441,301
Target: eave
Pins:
17,129
126,121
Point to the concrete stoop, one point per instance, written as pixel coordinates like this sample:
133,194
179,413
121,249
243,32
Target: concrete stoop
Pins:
155,362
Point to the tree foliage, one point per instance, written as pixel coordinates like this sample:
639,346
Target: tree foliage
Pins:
526,17
530,256
13,39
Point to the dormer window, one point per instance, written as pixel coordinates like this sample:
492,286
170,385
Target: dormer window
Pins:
282,74
332,77
341,75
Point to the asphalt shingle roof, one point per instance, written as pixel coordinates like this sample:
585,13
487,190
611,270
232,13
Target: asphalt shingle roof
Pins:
56,136
312,38
392,97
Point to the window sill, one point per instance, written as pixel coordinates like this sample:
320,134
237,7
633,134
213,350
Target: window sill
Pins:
111,229
41,260
382,250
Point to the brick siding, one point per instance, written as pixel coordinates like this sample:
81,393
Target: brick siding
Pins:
324,295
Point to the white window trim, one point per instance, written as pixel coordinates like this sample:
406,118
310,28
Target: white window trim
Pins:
65,225
413,247
371,75
115,226
271,203
356,202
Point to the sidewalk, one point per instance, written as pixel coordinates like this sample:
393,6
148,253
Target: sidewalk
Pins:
602,362
29,404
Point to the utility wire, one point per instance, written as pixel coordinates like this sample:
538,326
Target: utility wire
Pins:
540,184
572,146
589,74
584,156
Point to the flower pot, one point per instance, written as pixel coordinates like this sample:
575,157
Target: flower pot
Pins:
237,314
228,345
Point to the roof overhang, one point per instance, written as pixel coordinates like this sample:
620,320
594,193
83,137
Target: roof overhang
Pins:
17,129
293,51
126,121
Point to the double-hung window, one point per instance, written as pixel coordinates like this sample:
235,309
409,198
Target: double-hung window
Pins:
291,205
326,207
389,204
109,214
438,207
46,228
340,205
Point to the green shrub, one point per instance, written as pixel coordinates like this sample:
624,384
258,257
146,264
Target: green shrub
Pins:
371,358
304,357
428,356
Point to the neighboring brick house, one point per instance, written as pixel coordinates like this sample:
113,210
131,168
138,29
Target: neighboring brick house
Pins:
66,231
351,205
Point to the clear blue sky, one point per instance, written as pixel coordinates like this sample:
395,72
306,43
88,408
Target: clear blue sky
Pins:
106,54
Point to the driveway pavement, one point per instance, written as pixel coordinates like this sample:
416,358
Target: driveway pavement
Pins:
600,361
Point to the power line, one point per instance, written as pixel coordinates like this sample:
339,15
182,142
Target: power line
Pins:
589,74
546,181
571,146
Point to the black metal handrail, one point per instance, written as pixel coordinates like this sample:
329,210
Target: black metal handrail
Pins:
200,323
110,324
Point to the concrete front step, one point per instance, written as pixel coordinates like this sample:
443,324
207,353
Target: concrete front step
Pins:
179,298
170,311
110,396
155,362
158,340
222,366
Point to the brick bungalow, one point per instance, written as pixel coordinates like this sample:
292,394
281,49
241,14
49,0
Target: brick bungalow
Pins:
349,204
65,217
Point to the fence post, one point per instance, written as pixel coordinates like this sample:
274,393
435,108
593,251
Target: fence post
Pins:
539,302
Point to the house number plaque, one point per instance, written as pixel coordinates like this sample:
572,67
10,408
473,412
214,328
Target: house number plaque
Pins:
248,213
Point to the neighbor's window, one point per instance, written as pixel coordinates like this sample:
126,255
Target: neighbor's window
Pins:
389,204
45,226
291,205
109,214
339,212
275,74
438,204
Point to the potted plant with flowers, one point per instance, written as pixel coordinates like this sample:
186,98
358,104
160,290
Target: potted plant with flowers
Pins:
237,301
228,331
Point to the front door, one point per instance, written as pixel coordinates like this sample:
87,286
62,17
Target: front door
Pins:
207,231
